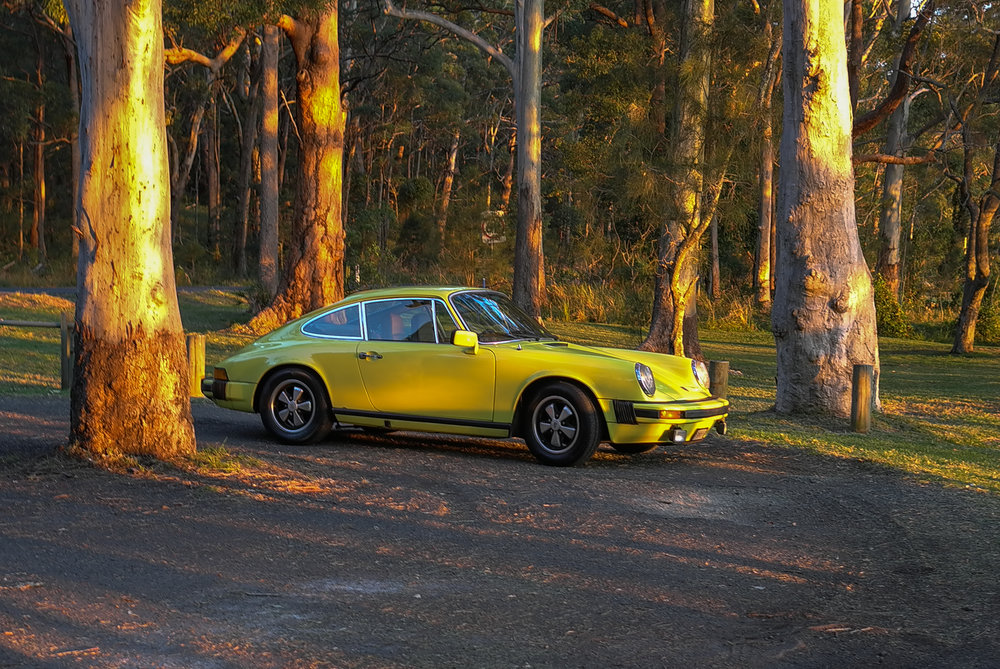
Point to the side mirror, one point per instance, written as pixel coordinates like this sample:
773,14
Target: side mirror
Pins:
466,339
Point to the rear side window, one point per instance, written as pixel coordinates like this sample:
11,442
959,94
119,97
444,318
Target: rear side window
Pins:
344,323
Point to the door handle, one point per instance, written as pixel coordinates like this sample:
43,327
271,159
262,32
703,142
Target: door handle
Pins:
370,356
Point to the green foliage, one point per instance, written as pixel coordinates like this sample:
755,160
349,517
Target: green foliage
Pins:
889,316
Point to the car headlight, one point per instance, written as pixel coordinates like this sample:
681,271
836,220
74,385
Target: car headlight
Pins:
644,375
700,371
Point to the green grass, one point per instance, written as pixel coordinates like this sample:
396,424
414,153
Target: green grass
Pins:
940,420
29,357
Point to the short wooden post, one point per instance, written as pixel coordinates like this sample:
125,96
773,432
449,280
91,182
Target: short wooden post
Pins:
718,378
65,351
196,362
861,398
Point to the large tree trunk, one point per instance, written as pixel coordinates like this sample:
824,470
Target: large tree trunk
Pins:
673,328
130,391
314,275
268,263
824,314
529,265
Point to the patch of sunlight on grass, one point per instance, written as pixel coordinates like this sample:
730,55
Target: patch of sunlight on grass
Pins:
219,460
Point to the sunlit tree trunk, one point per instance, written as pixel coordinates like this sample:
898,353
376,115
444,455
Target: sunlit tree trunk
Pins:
529,265
213,186
449,180
314,274
268,262
824,315
130,392
765,182
673,328
37,234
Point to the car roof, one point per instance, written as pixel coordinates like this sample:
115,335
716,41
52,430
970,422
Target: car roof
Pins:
441,292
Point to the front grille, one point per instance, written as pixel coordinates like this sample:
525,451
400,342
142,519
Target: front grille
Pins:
624,412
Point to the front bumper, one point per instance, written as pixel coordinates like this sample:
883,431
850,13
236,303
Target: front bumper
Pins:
664,423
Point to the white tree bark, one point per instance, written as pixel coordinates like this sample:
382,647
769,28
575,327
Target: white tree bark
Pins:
824,315
130,392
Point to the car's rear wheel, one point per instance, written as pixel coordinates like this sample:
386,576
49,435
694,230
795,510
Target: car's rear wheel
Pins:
563,427
294,408
633,449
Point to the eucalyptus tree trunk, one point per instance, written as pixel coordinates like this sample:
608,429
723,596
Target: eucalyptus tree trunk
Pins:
248,153
268,262
823,317
38,211
673,328
130,389
449,180
890,227
765,182
314,274
529,266
982,212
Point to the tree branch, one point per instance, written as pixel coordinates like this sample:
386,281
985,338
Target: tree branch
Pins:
886,159
176,55
608,14
901,83
469,36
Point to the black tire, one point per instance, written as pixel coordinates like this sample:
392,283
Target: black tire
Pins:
633,449
293,407
562,427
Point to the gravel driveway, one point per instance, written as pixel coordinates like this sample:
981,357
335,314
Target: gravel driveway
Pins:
411,551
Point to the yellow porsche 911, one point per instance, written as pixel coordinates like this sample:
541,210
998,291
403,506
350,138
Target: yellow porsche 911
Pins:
462,361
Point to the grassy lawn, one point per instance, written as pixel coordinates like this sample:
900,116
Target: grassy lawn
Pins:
940,420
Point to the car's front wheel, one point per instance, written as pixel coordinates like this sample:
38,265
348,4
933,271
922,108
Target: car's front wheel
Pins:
294,408
563,427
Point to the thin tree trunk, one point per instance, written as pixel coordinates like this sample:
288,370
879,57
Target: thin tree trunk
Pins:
37,234
824,314
314,275
268,262
130,390
675,290
716,279
248,149
529,264
210,157
765,211
449,180
890,227
977,250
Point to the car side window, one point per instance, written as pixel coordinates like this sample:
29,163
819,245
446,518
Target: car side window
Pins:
341,323
400,320
445,323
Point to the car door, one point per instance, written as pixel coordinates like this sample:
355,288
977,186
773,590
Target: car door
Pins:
411,370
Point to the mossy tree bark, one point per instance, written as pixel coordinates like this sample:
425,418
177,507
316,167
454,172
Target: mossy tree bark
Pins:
314,272
130,394
823,317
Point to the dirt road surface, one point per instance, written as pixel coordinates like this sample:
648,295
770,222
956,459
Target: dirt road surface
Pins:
413,551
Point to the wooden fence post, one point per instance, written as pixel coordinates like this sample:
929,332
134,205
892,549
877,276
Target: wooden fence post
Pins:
196,362
718,378
65,350
861,398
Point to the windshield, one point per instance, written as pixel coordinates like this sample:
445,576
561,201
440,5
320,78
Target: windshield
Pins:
495,318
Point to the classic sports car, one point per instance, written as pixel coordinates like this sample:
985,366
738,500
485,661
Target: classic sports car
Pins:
462,361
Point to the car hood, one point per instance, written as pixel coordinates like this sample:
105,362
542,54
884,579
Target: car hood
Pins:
674,378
